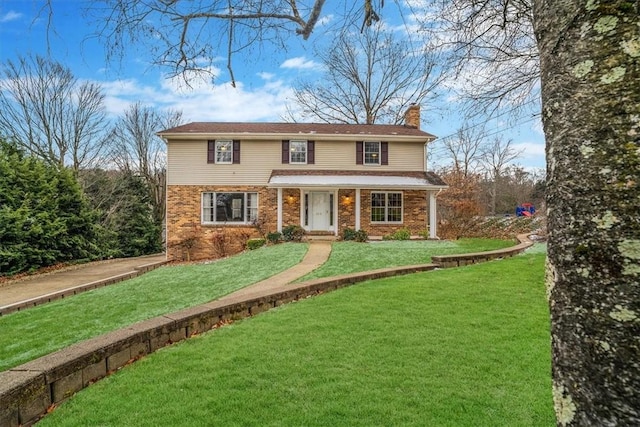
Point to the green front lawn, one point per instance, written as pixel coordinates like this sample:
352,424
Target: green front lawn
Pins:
351,257
29,334
456,347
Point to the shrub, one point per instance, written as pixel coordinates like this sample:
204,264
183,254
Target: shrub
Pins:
353,235
255,243
402,234
348,234
361,236
219,242
293,233
274,237
424,234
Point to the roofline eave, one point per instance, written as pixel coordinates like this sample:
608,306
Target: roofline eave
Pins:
360,186
190,136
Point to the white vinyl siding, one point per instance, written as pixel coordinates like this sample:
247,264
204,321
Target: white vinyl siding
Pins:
187,161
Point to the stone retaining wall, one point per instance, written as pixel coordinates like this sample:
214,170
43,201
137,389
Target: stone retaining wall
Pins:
28,390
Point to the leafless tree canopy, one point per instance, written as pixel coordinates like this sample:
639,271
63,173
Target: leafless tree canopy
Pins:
137,150
188,36
465,149
51,114
492,53
368,78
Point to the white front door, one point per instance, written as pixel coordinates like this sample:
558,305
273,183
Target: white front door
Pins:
319,209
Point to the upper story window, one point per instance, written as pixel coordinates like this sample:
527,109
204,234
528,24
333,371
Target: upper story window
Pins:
371,153
298,152
224,152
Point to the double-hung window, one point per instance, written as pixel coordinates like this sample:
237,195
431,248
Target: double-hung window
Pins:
386,207
298,152
224,152
372,153
239,208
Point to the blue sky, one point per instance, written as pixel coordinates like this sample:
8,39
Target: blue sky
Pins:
264,80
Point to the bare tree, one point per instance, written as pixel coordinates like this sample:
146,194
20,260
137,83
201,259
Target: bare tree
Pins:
137,150
368,79
496,157
465,149
491,51
47,111
188,36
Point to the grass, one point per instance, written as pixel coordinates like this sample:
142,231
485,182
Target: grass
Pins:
29,334
457,347
351,257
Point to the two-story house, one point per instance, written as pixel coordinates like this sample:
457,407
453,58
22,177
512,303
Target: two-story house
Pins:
222,177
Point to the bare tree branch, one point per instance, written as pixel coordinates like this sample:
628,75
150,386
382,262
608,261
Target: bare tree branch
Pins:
369,78
48,112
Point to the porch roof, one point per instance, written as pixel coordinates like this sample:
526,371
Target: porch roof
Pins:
356,179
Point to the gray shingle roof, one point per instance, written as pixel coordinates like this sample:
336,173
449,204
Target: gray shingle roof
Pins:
294,128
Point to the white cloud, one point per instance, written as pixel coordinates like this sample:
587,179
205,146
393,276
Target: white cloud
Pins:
10,16
206,102
530,150
266,76
300,63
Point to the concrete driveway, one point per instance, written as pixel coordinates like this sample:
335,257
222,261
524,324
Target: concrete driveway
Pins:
69,281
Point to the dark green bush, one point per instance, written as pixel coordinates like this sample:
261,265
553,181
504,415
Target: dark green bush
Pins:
292,233
361,236
274,237
350,234
255,243
401,234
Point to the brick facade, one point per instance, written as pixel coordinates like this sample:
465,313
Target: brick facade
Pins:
188,238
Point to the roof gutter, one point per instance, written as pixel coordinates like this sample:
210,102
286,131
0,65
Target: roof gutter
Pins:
425,139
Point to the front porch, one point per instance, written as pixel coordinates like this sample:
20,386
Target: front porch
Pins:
379,204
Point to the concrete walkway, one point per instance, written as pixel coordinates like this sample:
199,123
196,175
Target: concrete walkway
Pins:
73,280
317,255
34,290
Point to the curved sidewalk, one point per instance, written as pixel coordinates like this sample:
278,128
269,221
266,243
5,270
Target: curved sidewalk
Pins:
317,255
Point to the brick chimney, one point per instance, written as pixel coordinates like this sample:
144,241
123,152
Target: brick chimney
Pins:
412,116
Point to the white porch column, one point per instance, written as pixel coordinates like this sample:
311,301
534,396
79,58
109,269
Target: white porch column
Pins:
336,208
279,223
301,200
357,208
432,215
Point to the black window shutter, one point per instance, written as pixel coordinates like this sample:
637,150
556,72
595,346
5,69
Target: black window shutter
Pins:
384,153
285,151
359,152
236,151
211,151
311,152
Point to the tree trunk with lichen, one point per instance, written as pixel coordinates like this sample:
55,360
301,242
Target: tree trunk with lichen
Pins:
590,62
